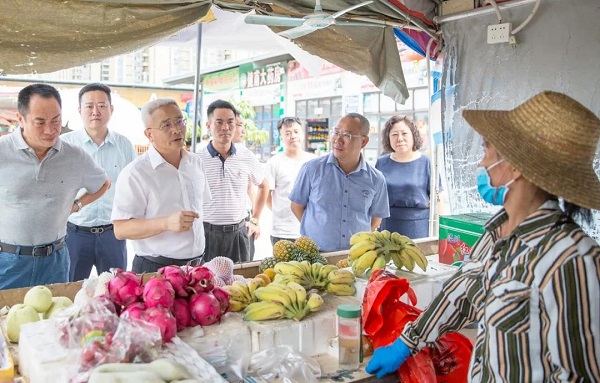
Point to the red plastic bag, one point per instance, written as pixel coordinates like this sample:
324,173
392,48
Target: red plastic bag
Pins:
384,316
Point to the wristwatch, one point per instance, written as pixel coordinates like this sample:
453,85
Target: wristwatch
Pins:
254,221
79,204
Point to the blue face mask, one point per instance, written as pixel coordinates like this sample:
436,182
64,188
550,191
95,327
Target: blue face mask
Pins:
490,194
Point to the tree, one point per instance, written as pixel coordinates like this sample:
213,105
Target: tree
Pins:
254,136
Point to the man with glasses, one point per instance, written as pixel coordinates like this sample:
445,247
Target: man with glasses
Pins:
90,236
282,170
340,194
229,169
40,177
159,196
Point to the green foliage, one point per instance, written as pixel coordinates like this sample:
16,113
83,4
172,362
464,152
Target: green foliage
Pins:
189,122
254,136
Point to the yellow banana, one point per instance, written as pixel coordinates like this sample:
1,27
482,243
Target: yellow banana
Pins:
236,294
314,302
360,236
314,270
325,270
258,311
340,289
417,255
235,305
305,266
341,276
360,248
406,259
273,294
287,268
299,291
243,288
379,263
285,279
378,235
395,255
361,264
400,239
386,235
254,284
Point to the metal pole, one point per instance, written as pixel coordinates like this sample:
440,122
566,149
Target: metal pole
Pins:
433,188
197,100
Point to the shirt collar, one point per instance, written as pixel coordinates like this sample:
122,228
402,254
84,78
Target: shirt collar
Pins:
156,159
213,152
362,165
19,141
108,139
533,229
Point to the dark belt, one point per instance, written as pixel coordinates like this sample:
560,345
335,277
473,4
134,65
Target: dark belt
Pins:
164,261
93,230
36,251
226,228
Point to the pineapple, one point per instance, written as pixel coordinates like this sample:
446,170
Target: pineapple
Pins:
318,259
284,250
307,246
343,263
267,263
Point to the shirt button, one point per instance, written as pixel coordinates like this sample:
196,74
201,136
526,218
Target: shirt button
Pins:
345,191
343,220
343,235
344,205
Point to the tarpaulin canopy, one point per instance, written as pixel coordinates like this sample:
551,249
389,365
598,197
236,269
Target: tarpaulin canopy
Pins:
39,36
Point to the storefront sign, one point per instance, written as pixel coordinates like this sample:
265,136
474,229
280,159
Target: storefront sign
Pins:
252,77
221,81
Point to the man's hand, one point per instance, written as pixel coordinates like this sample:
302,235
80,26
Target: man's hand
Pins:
386,360
253,230
181,221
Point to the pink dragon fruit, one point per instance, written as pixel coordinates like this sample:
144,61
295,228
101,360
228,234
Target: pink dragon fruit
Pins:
162,318
124,288
178,279
223,297
135,310
182,314
158,292
205,308
201,279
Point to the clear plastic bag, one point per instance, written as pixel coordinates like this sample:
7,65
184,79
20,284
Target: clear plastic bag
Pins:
286,364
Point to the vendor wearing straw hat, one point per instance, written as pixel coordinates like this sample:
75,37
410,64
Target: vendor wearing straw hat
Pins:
533,281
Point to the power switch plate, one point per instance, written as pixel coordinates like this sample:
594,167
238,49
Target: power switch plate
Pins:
499,33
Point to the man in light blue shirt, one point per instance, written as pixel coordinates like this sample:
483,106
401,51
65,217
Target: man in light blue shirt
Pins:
90,235
340,194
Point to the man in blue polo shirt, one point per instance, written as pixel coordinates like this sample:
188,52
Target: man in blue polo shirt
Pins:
40,177
340,194
90,235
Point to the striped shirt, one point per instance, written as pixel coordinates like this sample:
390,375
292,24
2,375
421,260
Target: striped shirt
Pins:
228,181
536,297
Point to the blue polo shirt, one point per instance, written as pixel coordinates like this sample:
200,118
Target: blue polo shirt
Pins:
338,204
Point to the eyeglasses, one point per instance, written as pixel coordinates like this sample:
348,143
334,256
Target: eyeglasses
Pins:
345,136
179,124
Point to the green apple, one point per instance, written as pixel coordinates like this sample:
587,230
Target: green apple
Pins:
39,297
19,314
58,304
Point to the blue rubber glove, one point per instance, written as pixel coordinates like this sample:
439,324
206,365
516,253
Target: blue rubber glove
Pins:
388,359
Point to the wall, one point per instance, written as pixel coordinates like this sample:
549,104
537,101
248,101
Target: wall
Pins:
558,50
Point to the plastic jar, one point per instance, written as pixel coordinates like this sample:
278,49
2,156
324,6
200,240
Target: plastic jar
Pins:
349,328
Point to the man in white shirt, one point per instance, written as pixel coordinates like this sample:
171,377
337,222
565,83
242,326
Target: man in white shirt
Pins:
282,170
90,236
159,196
229,168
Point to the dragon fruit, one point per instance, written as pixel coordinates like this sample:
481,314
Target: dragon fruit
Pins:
135,310
182,314
178,279
205,308
201,279
158,292
223,297
162,318
124,288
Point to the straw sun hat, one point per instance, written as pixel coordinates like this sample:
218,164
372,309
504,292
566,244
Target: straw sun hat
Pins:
551,139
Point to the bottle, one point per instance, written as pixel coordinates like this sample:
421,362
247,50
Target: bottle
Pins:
349,328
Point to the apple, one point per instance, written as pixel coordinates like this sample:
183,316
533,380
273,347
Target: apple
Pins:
58,304
39,297
19,314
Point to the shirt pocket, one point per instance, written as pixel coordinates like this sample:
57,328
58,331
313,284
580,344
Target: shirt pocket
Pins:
509,308
361,200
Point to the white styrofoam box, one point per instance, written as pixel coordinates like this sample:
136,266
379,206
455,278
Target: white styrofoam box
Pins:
426,284
41,357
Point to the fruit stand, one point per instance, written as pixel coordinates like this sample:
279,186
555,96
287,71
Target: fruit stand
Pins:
233,337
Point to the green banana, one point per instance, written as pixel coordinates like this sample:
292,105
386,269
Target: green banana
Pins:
406,259
360,265
417,255
263,310
341,276
395,255
340,289
400,239
379,263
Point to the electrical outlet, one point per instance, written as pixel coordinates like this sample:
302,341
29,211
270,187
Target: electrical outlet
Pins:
499,33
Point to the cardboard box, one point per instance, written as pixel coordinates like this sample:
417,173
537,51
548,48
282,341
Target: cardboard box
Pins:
456,6
458,233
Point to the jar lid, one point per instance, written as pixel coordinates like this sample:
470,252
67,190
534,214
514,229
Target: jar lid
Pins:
348,311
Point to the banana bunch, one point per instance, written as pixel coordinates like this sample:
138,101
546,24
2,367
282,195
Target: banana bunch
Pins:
242,294
277,301
316,275
373,250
